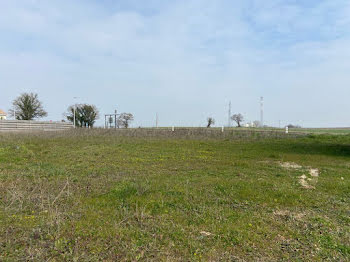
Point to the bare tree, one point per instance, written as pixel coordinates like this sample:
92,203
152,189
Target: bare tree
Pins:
210,122
85,115
124,119
238,118
256,123
27,107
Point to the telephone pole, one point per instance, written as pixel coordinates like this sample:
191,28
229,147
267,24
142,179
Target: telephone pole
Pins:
115,119
156,120
229,114
262,111
109,120
74,112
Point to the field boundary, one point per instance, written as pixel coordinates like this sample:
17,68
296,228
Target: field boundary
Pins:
191,133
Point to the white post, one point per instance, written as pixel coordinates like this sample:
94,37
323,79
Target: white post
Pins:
287,130
173,128
222,129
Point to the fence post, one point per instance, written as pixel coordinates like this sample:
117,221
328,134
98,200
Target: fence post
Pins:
222,129
173,128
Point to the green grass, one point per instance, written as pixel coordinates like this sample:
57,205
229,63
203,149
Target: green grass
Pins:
97,196
331,131
315,131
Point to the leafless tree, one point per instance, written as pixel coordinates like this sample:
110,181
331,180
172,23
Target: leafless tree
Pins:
210,122
27,107
124,119
238,118
256,123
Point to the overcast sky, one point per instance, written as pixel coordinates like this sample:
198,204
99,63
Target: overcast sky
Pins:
183,59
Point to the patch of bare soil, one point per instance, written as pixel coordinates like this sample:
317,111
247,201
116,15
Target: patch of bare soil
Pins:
289,215
303,181
308,180
290,165
314,172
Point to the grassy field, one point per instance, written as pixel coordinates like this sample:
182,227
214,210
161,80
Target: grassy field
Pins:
324,131
99,196
331,131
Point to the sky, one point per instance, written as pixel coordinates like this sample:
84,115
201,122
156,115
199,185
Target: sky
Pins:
182,59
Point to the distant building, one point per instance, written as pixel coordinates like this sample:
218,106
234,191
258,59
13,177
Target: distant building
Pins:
3,115
251,124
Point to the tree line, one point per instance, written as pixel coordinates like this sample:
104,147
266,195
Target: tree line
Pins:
27,106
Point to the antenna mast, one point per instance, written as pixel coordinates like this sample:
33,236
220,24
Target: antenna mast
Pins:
262,111
156,120
229,114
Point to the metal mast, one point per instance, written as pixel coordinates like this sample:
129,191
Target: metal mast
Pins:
229,114
262,111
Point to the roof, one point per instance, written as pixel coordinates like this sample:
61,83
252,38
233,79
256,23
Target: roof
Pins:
2,113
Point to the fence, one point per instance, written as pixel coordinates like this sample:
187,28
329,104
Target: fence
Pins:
27,125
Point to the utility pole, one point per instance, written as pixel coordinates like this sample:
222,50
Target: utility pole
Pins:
262,111
229,115
109,120
115,119
74,113
156,120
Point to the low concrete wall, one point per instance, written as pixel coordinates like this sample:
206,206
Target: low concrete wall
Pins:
28,125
